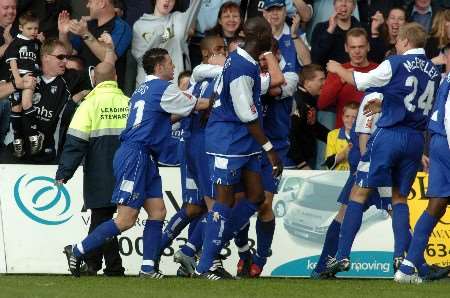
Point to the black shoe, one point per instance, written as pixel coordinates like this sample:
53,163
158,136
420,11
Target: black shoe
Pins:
218,269
210,275
154,274
73,261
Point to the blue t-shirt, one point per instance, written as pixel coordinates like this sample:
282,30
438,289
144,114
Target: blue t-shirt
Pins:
151,106
238,103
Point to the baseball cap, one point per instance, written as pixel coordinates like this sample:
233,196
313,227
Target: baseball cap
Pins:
272,3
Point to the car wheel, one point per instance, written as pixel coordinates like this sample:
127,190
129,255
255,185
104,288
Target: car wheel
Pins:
280,209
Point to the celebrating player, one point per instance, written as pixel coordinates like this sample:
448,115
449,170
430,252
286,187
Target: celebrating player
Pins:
408,82
138,183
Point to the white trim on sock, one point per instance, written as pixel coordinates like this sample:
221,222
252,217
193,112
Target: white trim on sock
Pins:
191,246
408,263
80,248
148,263
243,248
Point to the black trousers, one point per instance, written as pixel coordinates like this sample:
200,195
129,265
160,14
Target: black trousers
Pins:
109,250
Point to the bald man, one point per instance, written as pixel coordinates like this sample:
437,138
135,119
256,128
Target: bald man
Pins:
93,134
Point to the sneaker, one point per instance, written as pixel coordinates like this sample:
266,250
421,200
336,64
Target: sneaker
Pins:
334,266
397,262
404,278
218,269
73,261
255,270
435,273
188,263
243,268
36,143
154,274
18,148
211,275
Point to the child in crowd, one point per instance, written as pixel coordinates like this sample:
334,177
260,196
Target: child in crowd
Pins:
338,141
22,55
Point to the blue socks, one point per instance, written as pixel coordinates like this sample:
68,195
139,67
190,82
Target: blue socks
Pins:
350,226
240,215
422,232
152,242
218,219
103,232
400,227
241,241
330,245
264,237
195,240
176,224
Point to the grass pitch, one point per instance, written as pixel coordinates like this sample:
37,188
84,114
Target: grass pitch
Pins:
130,287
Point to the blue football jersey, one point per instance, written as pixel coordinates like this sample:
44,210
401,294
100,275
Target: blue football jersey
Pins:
237,103
436,124
277,111
409,90
151,106
288,51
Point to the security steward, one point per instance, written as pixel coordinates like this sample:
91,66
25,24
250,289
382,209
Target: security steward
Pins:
93,134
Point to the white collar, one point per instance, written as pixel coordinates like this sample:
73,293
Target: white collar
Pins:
416,51
429,10
23,37
48,80
286,31
245,55
149,78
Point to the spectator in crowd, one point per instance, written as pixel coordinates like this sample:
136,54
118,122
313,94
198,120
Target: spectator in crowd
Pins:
305,129
293,48
338,140
164,29
368,8
227,24
384,33
59,92
47,11
322,11
135,9
337,93
253,8
439,36
328,39
422,12
85,34
8,13
93,135
22,56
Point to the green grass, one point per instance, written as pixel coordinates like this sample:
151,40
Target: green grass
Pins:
133,287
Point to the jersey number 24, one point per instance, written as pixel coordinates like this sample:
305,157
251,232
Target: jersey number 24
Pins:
425,101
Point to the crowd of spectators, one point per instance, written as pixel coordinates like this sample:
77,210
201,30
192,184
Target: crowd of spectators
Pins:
360,34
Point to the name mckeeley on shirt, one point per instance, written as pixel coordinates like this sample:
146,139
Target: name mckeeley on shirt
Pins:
423,65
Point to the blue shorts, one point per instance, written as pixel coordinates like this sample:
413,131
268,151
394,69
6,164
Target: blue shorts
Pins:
228,170
439,174
270,182
392,159
137,176
196,180
380,197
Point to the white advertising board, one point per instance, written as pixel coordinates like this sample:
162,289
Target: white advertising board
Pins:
39,220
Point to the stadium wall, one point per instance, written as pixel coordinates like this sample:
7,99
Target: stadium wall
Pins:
38,219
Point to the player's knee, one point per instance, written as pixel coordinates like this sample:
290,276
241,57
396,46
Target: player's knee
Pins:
125,222
437,207
265,211
158,213
257,198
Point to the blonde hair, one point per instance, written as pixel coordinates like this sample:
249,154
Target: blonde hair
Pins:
438,30
414,33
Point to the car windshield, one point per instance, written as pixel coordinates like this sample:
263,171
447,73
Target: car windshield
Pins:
318,196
